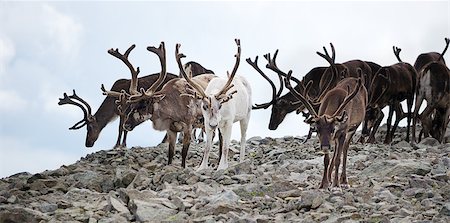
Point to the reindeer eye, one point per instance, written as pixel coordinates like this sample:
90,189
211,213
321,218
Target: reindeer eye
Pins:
220,106
205,107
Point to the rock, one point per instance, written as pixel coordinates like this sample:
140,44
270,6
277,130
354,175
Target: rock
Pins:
403,167
155,211
429,141
445,210
308,200
278,182
48,207
118,205
21,214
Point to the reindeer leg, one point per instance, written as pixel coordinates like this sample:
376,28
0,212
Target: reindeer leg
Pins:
399,115
121,130
419,100
172,137
409,103
444,125
375,128
244,126
326,161
209,139
348,139
124,140
333,160
220,143
186,144
309,135
337,160
387,140
226,131
164,139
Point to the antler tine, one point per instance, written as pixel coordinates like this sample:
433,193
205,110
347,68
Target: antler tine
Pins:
447,42
272,85
75,96
161,53
348,98
299,96
334,70
226,87
124,59
67,100
194,85
397,53
272,65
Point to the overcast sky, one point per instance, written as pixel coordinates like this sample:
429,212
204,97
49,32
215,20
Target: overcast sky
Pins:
50,48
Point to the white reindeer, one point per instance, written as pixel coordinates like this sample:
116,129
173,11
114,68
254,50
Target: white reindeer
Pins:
224,102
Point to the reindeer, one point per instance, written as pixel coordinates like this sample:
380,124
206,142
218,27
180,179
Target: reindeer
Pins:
390,86
425,58
322,80
434,87
340,113
109,109
223,102
168,110
432,79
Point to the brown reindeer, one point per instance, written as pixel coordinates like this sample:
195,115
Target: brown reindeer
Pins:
340,113
108,110
169,109
390,86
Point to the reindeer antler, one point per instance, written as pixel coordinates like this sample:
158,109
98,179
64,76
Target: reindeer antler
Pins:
87,111
397,53
161,52
254,64
334,71
197,88
299,96
134,72
228,85
272,65
447,42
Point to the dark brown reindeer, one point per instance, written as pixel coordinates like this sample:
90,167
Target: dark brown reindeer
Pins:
425,58
108,110
390,86
340,113
168,108
432,81
434,87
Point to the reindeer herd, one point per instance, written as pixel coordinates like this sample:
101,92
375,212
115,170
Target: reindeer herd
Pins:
335,100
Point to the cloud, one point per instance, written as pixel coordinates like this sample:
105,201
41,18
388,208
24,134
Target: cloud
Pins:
11,102
63,29
7,53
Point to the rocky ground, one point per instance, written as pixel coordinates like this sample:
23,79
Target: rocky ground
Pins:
277,183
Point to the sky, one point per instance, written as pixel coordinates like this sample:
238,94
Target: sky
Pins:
48,48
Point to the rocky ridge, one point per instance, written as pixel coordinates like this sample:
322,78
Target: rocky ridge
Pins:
277,183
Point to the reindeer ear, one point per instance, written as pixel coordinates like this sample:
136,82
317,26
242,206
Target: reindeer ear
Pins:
158,97
342,118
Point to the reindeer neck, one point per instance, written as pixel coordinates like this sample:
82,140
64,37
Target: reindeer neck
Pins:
106,113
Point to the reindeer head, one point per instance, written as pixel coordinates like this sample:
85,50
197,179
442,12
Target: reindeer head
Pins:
93,129
211,104
331,120
141,103
281,106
